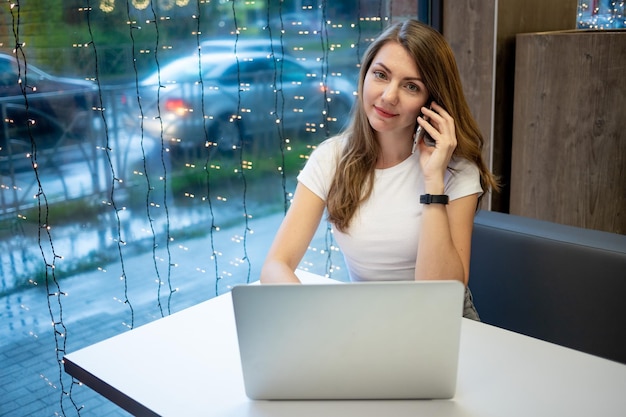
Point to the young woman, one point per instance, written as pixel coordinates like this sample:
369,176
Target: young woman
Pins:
399,208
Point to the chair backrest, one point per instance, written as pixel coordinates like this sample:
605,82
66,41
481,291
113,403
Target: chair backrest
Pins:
558,283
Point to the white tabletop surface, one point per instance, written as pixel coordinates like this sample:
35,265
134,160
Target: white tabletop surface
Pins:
188,364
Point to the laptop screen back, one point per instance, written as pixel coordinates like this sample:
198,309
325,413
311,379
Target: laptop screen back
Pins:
379,340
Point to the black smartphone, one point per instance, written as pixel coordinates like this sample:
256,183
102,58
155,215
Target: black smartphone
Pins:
421,133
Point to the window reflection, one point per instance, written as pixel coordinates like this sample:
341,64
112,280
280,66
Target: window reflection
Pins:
151,154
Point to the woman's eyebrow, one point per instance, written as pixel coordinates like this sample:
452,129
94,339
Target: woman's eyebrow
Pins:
389,71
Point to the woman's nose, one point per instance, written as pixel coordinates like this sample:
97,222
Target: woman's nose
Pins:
390,95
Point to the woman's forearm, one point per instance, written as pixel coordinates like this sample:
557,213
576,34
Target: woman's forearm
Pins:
437,256
275,272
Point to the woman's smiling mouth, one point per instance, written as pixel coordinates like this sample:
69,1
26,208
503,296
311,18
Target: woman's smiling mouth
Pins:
383,113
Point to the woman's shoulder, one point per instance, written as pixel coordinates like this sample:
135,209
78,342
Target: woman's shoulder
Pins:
463,178
320,167
462,164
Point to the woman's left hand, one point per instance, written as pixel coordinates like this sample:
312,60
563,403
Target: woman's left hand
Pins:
434,160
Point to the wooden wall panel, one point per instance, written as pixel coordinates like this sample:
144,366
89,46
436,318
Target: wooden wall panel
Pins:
569,130
482,35
470,27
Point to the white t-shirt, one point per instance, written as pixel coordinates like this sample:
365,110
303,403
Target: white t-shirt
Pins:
381,242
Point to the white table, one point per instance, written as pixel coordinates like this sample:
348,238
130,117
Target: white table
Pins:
188,364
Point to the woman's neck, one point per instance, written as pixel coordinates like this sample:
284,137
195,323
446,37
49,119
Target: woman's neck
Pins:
394,149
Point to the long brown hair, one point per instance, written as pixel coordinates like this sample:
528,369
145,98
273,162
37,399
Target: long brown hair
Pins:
354,177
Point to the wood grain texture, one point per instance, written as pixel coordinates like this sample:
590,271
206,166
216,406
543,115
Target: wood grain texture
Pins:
469,27
482,35
569,129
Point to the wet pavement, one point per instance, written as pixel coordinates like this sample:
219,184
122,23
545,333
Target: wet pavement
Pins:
92,308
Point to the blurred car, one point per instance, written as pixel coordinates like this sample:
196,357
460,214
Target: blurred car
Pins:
56,112
240,97
228,45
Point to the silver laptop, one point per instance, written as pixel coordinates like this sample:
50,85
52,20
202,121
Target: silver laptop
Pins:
382,340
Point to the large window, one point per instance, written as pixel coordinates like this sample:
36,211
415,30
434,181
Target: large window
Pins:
148,152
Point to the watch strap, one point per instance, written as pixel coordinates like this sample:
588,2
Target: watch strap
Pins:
434,199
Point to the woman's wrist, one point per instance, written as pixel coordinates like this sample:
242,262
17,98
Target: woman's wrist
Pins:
434,199
433,187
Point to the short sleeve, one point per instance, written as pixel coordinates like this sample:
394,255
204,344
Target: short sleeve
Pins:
319,169
462,179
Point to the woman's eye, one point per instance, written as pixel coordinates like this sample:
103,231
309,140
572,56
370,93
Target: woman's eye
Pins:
412,87
379,74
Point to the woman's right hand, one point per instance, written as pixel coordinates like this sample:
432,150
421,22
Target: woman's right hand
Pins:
434,160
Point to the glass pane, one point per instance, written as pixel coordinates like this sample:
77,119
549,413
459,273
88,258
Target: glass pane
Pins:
601,14
147,156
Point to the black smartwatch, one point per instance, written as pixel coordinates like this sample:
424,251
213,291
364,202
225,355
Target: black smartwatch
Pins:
434,199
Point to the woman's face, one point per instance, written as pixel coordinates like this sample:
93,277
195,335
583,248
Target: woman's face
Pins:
393,92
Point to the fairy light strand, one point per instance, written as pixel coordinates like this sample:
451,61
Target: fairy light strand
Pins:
279,97
148,200
208,162
114,180
240,151
115,177
162,154
601,14
45,241
325,46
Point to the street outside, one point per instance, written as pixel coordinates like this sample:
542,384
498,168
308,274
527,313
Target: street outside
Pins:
131,264
93,310
97,303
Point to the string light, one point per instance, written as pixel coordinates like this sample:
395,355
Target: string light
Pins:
219,187
601,15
